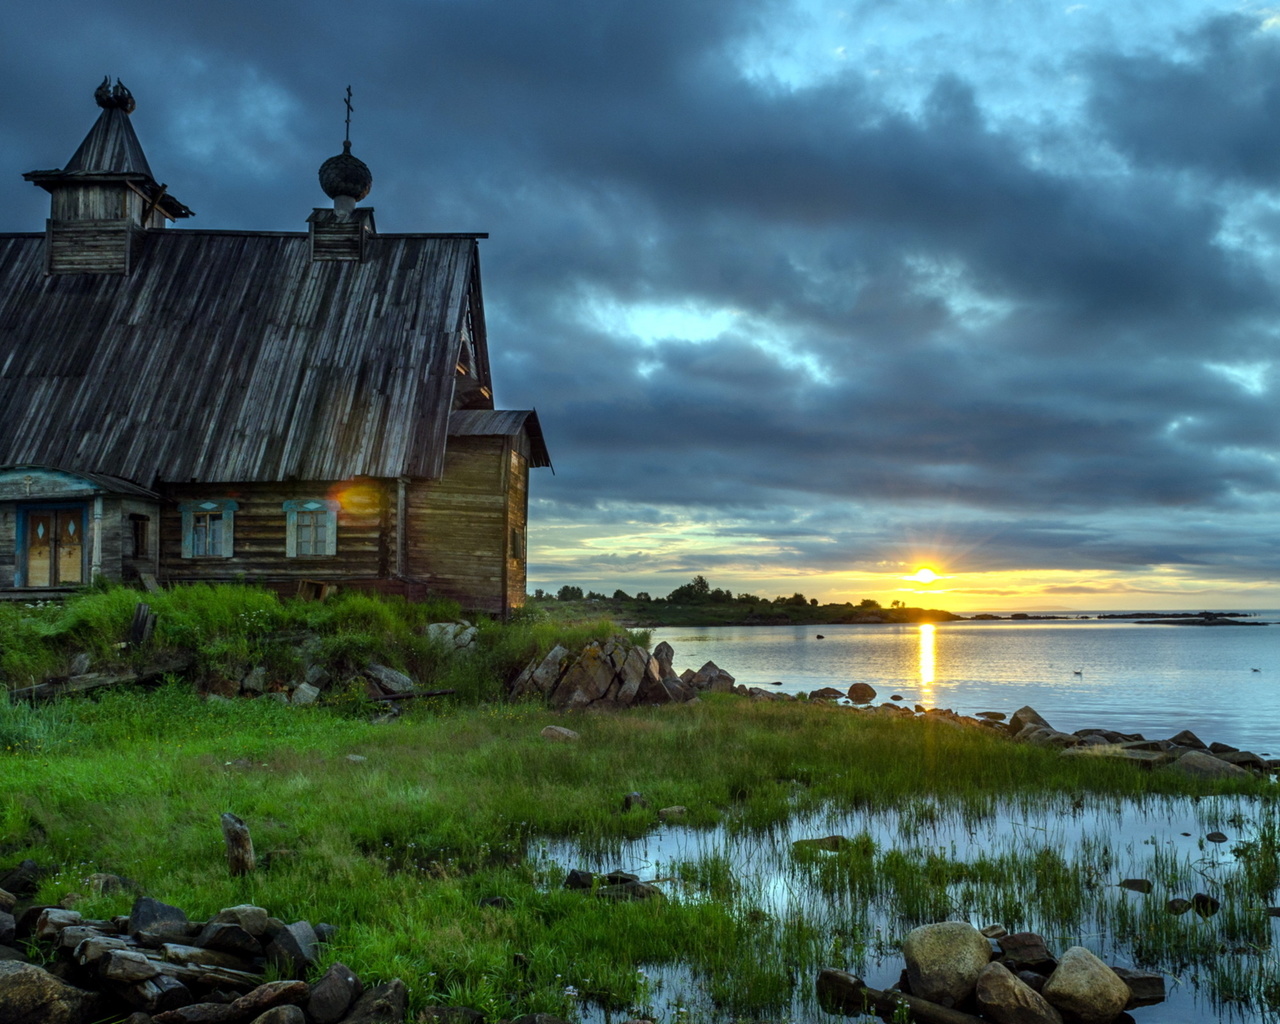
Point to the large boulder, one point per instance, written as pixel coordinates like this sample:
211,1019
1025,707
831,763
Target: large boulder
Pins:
944,960
1007,999
1023,717
31,995
1085,988
862,693
1200,765
712,678
616,673
664,655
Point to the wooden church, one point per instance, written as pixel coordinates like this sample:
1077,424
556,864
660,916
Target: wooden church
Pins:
277,407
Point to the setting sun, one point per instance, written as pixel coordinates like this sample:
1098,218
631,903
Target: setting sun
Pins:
923,575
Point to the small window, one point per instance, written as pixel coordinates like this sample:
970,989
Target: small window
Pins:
517,544
311,528
140,532
208,528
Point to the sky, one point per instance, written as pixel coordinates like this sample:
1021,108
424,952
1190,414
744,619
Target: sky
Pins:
808,294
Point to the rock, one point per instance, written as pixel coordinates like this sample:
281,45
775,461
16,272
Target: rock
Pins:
994,931
1187,738
197,956
664,656
7,900
1085,988
992,716
1245,759
458,636
101,883
825,693
1006,999
559,734
384,1004
252,919
52,921
305,694
199,1013
944,960
255,680
1146,988
160,994
712,678
8,928
388,679
23,880
127,965
31,995
840,992
828,843
861,693
157,920
539,1018
332,994
1142,885
1200,765
631,890
579,879
1205,905
587,679
449,1015
1025,949
1023,717
229,938
631,800
293,949
674,811
1178,905
281,1015
271,995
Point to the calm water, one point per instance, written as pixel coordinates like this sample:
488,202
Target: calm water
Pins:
1156,680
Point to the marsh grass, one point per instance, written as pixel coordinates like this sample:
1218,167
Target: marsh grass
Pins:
455,803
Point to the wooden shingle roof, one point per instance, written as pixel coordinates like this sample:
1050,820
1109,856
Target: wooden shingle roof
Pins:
231,356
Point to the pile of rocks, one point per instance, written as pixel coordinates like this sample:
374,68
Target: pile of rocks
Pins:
157,966
956,974
615,674
314,673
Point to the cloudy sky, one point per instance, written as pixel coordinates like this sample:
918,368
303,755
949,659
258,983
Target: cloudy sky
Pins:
807,293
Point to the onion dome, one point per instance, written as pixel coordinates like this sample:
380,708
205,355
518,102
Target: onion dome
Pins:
345,175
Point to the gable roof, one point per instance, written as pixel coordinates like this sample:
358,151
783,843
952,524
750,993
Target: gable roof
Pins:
232,356
503,423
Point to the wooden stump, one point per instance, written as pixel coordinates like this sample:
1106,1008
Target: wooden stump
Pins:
239,845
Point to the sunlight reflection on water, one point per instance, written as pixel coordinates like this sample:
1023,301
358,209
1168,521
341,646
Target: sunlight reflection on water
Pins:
1156,680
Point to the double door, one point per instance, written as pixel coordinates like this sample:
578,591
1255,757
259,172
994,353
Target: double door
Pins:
55,550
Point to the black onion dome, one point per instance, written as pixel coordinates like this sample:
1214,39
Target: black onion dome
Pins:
345,175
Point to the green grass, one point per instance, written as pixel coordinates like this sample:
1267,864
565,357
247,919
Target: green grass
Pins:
452,800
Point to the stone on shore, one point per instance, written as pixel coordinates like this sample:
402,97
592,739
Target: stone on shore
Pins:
862,693
1200,765
31,995
944,961
1085,988
1007,999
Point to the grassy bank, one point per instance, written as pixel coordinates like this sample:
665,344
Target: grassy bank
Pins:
453,804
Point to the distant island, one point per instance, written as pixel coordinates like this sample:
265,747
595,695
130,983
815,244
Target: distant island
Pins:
697,603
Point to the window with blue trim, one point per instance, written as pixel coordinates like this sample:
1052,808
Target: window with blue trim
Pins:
311,528
208,528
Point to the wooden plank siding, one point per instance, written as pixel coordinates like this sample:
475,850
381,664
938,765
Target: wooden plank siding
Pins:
457,525
258,544
517,526
8,543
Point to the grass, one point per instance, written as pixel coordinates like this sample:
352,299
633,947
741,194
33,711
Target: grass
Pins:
461,800
453,804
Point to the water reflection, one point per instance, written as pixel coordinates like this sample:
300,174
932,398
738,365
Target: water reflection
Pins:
926,654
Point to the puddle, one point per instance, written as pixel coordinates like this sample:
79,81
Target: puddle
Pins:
1052,868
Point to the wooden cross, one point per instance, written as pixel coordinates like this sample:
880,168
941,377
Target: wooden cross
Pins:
349,109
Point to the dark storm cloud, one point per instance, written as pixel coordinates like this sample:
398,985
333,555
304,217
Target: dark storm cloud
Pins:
1217,112
923,313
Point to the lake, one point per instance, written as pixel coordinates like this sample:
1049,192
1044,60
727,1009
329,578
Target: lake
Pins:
1154,680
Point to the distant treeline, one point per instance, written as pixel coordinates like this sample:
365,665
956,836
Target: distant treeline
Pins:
699,592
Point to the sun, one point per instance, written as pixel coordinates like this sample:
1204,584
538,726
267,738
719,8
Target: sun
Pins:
923,575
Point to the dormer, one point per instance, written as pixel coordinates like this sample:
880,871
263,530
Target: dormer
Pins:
342,233
105,197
